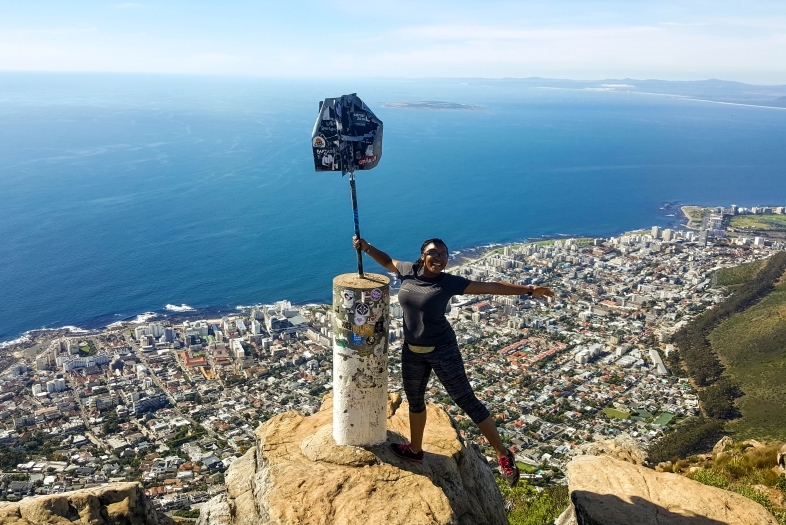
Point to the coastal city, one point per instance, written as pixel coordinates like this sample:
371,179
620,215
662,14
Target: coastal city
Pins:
172,403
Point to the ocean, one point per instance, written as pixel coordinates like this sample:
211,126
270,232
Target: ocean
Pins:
123,194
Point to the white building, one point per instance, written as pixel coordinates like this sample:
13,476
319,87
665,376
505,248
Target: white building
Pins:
237,349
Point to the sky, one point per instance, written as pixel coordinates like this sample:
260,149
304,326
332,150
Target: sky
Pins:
664,39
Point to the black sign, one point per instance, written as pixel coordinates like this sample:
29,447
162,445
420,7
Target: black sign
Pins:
347,136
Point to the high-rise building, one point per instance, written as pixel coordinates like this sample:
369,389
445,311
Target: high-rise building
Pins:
656,232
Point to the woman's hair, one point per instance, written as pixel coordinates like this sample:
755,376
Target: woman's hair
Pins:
419,263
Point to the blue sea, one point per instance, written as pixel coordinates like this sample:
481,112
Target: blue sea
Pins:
121,194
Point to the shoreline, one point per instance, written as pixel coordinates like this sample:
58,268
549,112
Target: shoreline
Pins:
179,313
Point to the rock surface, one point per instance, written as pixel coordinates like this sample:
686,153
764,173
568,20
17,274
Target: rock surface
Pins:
121,503
782,458
297,475
608,491
724,443
621,447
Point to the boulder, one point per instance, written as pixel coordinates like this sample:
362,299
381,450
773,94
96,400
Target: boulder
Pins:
622,447
724,443
782,458
607,491
118,503
297,475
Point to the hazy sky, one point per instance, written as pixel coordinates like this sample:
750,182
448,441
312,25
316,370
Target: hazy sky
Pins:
682,39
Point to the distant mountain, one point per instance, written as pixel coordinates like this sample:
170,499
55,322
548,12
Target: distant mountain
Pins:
712,90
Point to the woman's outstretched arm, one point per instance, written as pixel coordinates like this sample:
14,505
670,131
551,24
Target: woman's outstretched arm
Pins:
476,287
381,257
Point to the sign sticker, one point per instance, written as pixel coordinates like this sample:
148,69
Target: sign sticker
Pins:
365,330
376,294
319,142
362,309
347,298
357,339
360,320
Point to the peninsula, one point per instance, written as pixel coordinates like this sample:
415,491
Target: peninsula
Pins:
433,105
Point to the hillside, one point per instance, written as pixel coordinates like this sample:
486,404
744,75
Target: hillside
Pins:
752,347
735,355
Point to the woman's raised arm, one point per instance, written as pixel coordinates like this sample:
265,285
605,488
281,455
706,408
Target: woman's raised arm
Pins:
381,257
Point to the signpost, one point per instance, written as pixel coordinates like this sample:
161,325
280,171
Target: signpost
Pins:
347,137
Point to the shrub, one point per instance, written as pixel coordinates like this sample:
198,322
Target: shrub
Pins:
711,478
527,507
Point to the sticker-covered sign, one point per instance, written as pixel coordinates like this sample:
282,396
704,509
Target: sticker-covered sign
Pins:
347,136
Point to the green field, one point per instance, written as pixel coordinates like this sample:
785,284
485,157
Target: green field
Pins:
664,419
695,215
760,222
615,414
752,346
529,469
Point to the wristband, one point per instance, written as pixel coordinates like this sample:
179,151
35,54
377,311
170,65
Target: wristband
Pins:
367,250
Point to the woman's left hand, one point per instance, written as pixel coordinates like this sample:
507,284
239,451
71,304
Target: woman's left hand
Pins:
542,291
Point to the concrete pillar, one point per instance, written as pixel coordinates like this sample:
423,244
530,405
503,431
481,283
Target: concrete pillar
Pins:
361,311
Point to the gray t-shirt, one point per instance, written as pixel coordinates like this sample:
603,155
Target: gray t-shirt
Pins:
424,301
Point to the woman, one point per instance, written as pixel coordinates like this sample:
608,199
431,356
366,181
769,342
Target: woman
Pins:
430,343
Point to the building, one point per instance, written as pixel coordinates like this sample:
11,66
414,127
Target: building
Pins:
656,232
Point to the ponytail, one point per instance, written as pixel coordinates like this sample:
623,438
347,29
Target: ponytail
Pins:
419,263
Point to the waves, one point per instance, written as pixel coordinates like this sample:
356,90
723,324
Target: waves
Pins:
139,319
182,308
27,337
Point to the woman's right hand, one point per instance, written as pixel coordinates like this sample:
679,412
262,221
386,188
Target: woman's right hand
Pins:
360,244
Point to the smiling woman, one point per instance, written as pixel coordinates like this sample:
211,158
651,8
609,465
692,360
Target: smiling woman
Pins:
430,342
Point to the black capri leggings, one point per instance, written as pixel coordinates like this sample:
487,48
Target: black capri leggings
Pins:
447,363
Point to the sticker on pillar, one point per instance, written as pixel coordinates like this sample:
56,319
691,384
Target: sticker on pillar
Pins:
360,320
371,340
346,326
357,339
342,343
379,327
365,330
376,294
362,309
347,298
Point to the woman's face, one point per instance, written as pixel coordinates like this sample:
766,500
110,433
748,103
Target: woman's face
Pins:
435,259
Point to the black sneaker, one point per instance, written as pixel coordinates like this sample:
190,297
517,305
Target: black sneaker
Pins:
405,452
509,469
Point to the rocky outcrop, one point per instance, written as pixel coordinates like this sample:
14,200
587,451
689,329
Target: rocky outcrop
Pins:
297,475
782,459
121,503
607,491
621,447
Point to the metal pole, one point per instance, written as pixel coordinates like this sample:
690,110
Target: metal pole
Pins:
357,222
